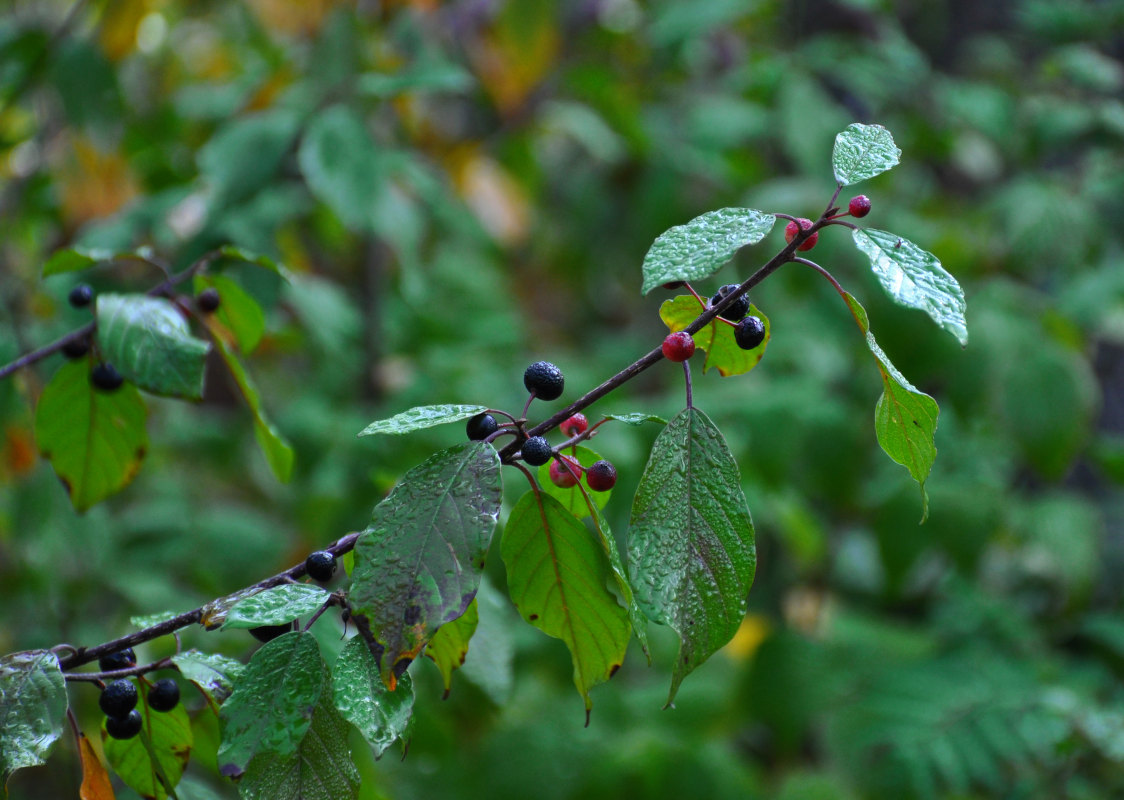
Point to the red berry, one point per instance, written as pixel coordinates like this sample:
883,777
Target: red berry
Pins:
601,476
678,346
562,477
574,425
859,206
790,231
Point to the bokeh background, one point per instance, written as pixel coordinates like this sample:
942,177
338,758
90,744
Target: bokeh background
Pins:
514,162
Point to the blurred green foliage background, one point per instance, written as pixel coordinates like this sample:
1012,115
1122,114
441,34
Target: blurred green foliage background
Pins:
461,188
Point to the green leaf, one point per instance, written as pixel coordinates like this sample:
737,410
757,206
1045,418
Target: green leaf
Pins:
717,338
449,646
271,706
214,674
556,576
75,259
426,77
418,564
420,417
699,249
94,440
341,165
277,450
238,312
152,762
276,605
620,575
320,768
149,342
571,498
250,257
863,151
905,419
32,709
691,543
244,154
637,418
382,716
915,278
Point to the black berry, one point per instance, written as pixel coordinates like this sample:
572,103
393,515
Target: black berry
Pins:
321,566
678,346
749,333
106,377
481,427
536,451
736,310
267,633
124,727
118,698
671,286
601,476
122,659
81,295
859,206
208,300
76,348
164,695
544,381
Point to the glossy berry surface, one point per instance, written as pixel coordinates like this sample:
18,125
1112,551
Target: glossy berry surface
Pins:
77,347
321,566
267,633
562,477
118,698
574,425
481,427
736,310
81,295
749,333
208,300
678,346
536,451
164,695
124,727
122,659
106,377
601,476
544,380
790,231
859,206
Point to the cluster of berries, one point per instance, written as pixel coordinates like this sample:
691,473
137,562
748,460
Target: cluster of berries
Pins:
119,698
749,332
546,382
104,376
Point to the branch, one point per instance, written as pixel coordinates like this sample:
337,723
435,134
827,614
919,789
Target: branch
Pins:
84,655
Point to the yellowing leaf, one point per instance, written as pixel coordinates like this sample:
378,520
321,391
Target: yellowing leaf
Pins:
95,780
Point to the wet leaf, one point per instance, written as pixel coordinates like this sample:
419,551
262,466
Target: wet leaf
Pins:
701,247
914,278
33,705
361,697
863,151
148,341
418,564
422,417
691,546
449,646
276,605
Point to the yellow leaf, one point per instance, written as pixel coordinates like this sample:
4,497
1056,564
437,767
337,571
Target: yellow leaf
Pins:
117,33
95,780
